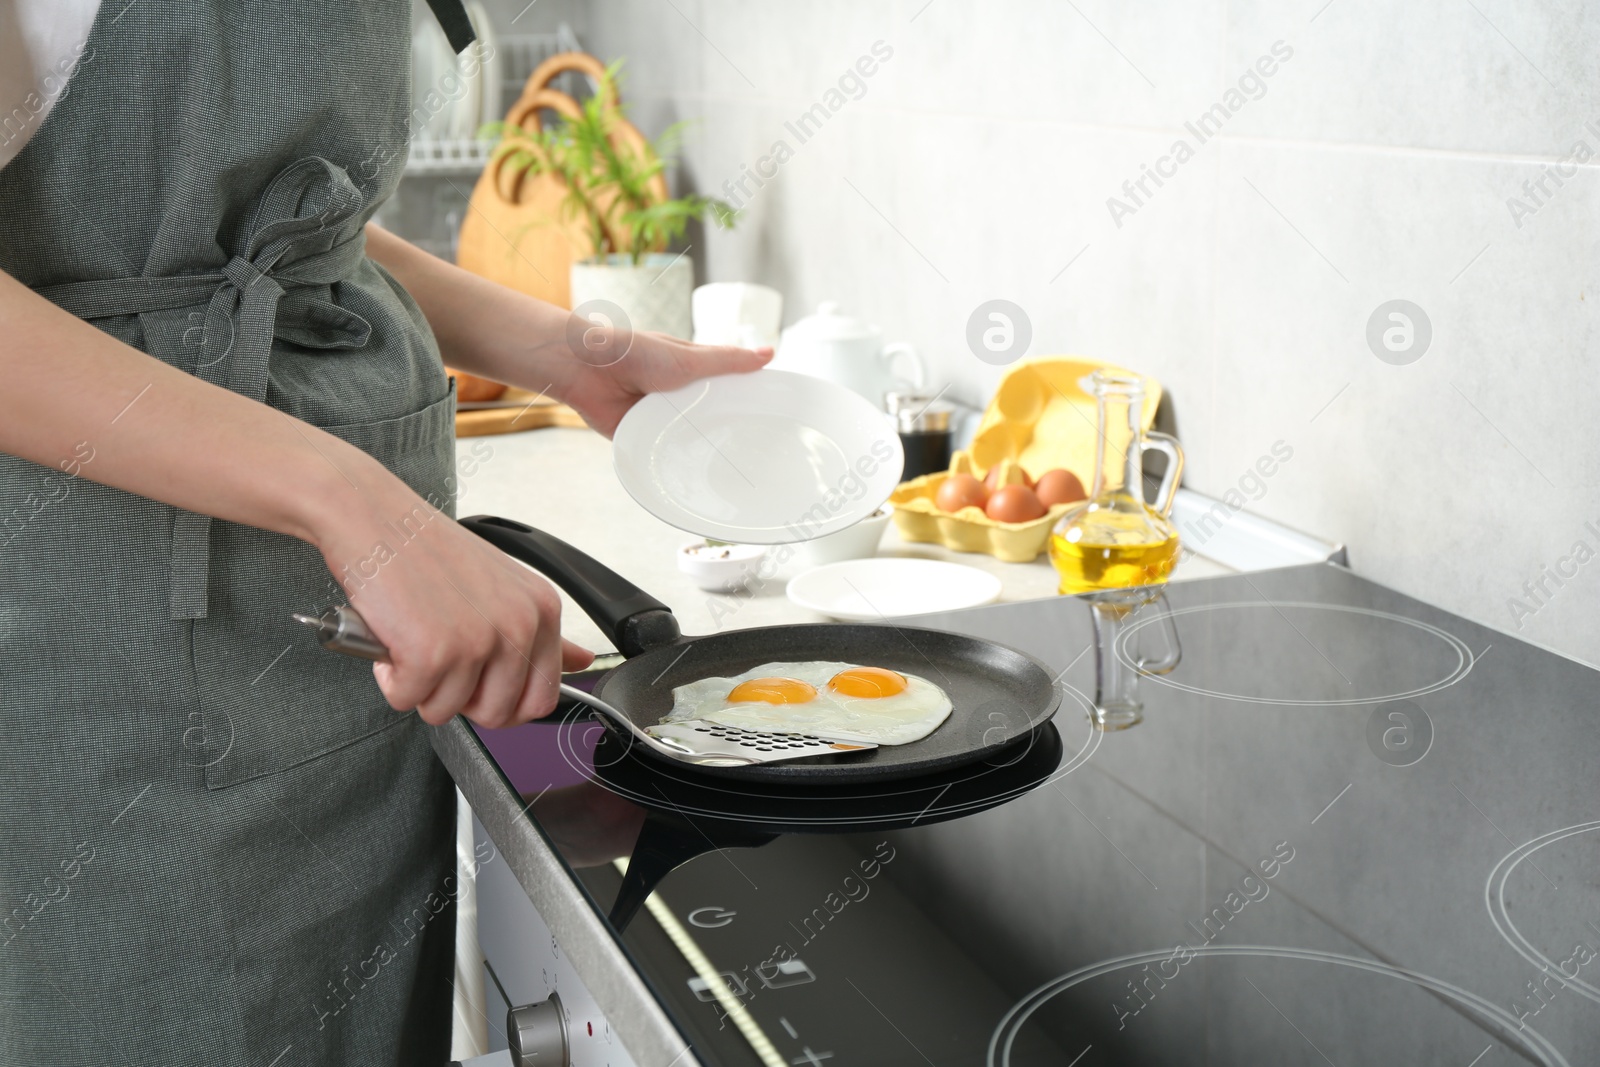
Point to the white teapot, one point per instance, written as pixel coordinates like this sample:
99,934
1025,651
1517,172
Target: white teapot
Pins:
848,352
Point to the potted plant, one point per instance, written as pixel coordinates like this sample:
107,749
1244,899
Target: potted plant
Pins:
616,189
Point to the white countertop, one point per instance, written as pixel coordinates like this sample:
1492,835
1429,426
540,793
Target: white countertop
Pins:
561,481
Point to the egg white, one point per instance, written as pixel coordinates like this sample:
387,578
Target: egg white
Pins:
891,720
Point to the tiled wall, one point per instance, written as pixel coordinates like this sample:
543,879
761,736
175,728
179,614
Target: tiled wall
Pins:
1375,163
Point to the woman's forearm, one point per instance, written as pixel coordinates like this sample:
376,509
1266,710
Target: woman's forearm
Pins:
599,368
71,390
482,327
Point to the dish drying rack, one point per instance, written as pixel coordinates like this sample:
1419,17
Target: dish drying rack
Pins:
466,156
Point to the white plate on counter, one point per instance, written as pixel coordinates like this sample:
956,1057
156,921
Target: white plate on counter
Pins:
866,590
765,458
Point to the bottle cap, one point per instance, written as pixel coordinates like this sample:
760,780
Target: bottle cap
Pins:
918,414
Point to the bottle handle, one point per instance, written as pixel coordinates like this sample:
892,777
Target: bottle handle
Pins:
1174,653
1168,446
1117,664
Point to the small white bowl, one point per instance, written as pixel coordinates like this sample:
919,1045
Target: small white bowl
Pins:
719,568
853,542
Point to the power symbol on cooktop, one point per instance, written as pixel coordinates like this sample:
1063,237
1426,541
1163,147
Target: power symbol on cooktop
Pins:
710,918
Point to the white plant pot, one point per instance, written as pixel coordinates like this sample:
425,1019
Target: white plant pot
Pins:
654,296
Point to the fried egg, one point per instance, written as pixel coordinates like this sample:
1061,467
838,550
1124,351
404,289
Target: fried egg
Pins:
839,701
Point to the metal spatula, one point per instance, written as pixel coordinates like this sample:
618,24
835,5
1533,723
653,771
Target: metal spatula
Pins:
698,741
711,744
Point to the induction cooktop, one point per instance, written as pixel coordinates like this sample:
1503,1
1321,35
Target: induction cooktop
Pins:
1350,828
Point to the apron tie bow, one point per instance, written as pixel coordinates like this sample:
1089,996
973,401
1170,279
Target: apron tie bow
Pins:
243,274
277,286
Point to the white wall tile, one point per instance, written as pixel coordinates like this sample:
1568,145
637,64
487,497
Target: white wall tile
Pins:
659,41
764,50
917,246
1496,76
1435,473
1377,164
1090,61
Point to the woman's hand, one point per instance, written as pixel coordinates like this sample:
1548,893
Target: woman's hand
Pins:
469,630
486,329
616,368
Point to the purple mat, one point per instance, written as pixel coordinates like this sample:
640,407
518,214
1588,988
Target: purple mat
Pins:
538,756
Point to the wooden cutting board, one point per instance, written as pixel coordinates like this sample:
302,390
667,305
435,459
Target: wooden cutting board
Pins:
517,410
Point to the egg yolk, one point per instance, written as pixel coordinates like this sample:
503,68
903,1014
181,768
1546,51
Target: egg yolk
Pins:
868,682
772,691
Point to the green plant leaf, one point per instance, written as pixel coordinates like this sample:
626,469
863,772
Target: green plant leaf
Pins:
583,151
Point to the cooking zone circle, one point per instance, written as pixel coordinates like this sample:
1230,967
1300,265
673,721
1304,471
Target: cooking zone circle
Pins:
1497,1019
1494,897
1405,658
946,794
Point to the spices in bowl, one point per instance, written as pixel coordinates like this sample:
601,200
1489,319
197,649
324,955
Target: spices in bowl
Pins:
719,567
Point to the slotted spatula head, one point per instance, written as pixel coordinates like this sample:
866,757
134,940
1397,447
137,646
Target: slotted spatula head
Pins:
702,739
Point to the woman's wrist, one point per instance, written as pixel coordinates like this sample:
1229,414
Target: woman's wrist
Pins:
482,327
526,345
348,500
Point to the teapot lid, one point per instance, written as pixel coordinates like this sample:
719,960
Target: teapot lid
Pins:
828,323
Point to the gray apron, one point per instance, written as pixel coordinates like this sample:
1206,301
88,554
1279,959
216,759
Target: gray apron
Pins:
217,843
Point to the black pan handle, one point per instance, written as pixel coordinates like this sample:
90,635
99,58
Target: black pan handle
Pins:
634,620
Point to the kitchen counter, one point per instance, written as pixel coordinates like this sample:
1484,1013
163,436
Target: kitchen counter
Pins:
1346,831
561,481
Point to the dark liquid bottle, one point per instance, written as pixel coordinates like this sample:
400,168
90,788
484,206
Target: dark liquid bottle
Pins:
923,424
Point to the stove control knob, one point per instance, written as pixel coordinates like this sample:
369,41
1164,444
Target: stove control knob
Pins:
537,1034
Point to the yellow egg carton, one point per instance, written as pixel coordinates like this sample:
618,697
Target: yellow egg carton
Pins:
918,518
1042,416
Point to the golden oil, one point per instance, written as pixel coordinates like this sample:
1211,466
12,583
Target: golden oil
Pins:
1113,547
1114,540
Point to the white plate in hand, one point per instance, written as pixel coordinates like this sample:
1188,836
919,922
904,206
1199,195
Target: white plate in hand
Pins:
766,458
866,590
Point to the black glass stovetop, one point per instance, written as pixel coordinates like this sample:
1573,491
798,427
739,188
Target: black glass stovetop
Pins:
1349,829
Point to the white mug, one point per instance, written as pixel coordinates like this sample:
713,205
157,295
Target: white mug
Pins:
737,313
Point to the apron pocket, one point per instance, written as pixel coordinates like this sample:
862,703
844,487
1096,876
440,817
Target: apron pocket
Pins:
271,697
419,448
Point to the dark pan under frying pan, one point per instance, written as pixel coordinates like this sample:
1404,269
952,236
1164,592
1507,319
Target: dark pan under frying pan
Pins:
999,694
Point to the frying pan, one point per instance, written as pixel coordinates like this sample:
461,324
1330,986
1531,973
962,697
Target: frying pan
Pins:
999,695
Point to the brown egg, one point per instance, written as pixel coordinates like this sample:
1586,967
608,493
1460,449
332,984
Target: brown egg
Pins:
1014,503
1058,487
991,481
960,491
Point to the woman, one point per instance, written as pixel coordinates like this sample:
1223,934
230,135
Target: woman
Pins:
223,394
